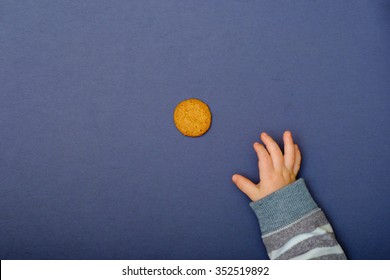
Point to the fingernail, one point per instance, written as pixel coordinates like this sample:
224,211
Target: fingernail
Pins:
234,178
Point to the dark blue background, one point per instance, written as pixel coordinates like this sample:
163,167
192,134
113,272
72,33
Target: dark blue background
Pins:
92,166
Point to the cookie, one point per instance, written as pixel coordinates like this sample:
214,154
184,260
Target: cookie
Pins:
192,117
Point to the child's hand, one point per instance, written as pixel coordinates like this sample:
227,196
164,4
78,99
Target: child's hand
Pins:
276,171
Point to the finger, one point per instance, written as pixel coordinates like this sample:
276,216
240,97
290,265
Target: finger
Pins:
265,161
274,151
297,162
245,185
289,150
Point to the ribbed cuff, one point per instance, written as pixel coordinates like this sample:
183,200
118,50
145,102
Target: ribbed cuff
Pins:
283,207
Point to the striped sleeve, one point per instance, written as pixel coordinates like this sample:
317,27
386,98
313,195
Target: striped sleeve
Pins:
293,227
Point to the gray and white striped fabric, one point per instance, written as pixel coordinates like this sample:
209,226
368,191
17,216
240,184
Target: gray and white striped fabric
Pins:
293,227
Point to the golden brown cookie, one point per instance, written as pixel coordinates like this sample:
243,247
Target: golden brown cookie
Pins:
192,117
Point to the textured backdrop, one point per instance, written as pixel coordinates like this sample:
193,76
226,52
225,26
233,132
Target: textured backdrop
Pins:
92,166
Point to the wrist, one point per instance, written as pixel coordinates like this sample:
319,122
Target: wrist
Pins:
283,206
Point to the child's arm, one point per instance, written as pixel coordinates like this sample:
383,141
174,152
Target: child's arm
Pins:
292,225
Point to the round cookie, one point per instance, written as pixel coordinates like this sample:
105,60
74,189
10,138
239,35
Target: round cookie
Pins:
192,117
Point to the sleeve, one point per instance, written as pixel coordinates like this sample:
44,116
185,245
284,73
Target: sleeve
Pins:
293,227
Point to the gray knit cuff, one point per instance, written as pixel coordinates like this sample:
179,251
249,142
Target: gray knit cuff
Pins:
283,207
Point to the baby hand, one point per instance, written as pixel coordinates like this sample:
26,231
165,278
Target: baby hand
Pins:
275,169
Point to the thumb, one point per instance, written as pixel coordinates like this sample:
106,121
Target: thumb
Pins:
246,186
